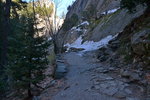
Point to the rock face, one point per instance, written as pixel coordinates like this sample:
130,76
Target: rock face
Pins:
76,31
45,23
107,24
113,24
141,42
101,5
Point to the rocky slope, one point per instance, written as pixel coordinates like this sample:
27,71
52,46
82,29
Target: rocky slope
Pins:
101,5
109,19
128,53
108,55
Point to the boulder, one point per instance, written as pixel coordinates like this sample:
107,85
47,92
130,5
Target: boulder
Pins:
131,75
120,95
140,42
135,77
132,98
125,73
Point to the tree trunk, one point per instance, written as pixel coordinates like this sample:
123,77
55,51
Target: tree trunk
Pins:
148,7
54,40
29,93
29,84
6,31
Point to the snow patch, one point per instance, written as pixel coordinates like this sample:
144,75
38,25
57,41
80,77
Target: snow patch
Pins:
84,23
77,28
110,11
49,39
90,45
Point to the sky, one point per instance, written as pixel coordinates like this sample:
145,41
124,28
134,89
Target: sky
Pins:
62,6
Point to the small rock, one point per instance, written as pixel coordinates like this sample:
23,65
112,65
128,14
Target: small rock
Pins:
35,98
125,73
63,95
109,91
120,95
52,83
109,78
97,87
104,85
135,77
112,83
132,98
144,82
76,84
92,87
67,87
141,88
111,68
87,89
128,91
96,82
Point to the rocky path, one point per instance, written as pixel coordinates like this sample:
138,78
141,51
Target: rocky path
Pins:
88,80
79,81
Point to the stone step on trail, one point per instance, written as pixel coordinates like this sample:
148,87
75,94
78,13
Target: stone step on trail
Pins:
61,69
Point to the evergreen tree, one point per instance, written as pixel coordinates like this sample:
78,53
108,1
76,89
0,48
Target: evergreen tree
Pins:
1,10
131,4
4,31
27,51
27,54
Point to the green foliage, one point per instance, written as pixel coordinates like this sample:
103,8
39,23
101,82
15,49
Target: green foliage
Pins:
43,10
16,7
2,86
70,22
1,17
131,4
27,51
27,54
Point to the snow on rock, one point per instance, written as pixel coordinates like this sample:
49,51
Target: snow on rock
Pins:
90,45
78,27
49,39
110,11
84,23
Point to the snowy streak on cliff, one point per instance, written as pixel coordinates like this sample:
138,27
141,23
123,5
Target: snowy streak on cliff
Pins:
90,45
111,11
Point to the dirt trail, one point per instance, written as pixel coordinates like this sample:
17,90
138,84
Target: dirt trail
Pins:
80,80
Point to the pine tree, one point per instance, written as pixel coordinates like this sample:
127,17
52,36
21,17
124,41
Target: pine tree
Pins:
131,4
4,23
1,10
27,54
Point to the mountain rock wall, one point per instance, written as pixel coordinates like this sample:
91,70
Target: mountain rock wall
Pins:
107,24
101,5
